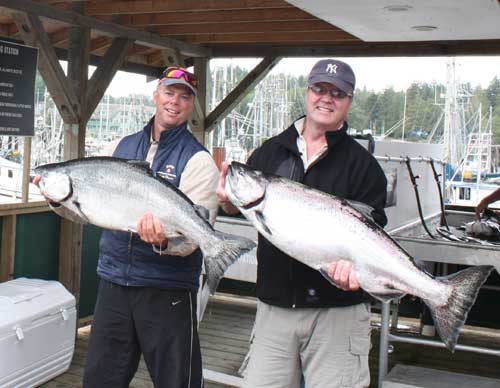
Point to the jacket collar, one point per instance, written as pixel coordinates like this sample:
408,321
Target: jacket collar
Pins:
165,136
289,137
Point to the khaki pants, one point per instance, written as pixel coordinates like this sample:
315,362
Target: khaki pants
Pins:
329,346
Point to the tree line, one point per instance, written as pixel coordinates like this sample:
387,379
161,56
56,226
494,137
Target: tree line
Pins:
422,105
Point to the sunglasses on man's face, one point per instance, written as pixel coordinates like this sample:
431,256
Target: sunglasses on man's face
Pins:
179,73
321,90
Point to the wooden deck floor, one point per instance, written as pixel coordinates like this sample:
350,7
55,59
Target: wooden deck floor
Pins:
226,327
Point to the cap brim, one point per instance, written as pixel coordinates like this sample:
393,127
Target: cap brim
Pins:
175,81
342,85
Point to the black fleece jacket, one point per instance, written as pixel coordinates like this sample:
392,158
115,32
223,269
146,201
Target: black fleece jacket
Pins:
346,170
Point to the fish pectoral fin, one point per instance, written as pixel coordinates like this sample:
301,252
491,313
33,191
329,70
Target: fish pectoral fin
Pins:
261,220
80,213
171,235
388,296
140,163
363,208
202,211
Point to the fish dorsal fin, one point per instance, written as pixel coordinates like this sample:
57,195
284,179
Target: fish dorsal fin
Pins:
262,222
139,163
363,208
202,211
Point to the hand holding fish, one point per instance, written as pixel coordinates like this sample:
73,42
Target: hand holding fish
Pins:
150,230
222,197
344,276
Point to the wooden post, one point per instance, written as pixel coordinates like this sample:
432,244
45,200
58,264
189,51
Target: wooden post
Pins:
197,120
70,243
8,247
26,168
238,93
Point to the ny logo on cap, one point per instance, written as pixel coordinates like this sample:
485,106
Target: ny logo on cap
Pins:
331,68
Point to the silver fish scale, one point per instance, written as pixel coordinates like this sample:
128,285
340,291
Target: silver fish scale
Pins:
114,194
319,229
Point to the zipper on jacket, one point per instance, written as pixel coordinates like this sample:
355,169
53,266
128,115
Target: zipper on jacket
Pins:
130,243
130,257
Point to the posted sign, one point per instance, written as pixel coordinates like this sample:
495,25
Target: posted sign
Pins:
17,89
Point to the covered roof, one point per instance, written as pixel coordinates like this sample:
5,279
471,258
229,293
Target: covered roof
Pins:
256,28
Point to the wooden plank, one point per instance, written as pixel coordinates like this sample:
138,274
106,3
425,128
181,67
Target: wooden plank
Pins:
74,18
225,379
246,27
197,119
100,43
4,29
70,254
59,37
103,75
221,308
8,247
26,168
32,32
222,16
23,208
233,98
362,49
271,37
78,63
147,6
70,243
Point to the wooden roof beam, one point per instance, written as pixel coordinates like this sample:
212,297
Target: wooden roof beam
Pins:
115,30
202,17
139,50
273,37
362,49
99,43
4,29
59,37
248,27
9,30
239,92
102,76
31,29
147,6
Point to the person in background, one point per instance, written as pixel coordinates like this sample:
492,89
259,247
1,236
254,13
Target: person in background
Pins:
483,204
146,302
304,325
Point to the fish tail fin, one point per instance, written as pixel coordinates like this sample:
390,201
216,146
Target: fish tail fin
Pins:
219,255
450,317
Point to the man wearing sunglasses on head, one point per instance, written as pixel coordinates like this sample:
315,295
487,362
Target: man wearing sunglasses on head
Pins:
146,301
305,326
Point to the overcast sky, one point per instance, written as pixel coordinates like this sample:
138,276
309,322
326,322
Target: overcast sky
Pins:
372,73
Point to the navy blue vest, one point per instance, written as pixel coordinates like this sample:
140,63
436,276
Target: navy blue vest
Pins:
123,257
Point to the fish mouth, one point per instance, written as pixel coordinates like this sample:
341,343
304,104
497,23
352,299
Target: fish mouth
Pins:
235,168
53,204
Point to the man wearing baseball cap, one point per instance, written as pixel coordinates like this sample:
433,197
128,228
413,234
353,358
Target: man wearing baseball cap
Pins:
304,325
146,302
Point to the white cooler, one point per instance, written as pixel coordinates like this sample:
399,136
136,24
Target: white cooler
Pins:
37,331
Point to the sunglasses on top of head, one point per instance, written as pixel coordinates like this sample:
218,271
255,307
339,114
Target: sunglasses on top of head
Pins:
179,73
321,90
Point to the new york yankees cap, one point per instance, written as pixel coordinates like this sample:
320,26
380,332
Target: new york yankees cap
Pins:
334,72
